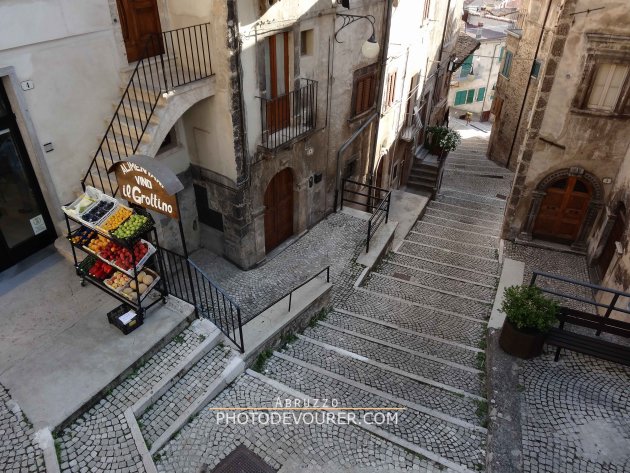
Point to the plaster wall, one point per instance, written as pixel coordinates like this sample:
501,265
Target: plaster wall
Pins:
486,66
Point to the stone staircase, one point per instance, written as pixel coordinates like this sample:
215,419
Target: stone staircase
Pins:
424,174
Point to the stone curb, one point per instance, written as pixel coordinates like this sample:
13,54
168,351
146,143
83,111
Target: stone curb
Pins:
138,440
46,442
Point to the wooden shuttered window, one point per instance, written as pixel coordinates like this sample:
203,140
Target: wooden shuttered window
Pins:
466,67
391,89
364,89
607,86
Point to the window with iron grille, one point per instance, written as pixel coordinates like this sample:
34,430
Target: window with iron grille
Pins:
364,89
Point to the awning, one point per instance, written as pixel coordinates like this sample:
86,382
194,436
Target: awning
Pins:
464,47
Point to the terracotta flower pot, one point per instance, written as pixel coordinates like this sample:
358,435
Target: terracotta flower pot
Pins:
522,343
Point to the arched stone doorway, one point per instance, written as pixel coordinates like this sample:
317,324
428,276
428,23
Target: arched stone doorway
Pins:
564,207
279,209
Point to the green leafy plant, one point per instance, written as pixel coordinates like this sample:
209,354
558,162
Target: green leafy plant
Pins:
446,138
527,308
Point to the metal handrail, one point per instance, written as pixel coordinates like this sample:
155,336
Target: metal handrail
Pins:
376,219
290,293
288,116
124,133
609,307
188,282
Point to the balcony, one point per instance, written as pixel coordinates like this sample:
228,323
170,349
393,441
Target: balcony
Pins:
289,116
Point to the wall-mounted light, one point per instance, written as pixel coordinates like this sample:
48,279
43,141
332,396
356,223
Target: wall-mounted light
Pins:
370,48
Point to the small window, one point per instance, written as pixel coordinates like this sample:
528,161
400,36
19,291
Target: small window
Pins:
560,184
466,67
507,64
170,141
481,94
460,97
606,88
426,10
207,216
536,69
364,89
306,43
580,186
470,96
390,96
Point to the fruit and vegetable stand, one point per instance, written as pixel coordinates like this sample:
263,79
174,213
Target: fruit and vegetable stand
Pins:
120,257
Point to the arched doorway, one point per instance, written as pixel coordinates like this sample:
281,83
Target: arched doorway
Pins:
563,210
279,209
616,234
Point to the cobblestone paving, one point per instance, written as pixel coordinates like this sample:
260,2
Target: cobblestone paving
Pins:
19,452
468,201
100,440
386,381
333,242
436,281
453,353
451,233
158,417
206,442
575,413
490,216
447,244
427,368
446,270
470,222
450,257
376,282
460,444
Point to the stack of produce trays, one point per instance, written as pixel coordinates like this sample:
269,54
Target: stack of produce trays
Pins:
92,208
122,259
147,280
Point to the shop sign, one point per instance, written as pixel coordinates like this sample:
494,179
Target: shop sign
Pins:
142,187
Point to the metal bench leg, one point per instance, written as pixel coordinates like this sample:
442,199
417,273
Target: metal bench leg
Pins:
557,354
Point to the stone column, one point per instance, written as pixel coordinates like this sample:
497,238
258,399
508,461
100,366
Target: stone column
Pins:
537,198
591,214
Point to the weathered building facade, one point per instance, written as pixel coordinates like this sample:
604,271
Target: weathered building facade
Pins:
562,119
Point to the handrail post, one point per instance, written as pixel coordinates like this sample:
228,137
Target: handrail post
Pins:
343,188
533,280
389,199
240,328
328,273
290,299
609,310
163,41
367,247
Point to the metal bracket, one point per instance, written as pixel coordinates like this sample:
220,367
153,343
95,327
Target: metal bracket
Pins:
349,19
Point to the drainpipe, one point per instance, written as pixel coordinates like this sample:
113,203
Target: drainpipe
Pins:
344,147
520,114
381,87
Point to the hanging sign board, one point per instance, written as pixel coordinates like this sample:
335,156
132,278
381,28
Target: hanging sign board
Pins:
145,182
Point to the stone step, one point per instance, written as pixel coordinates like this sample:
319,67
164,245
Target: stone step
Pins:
453,245
472,201
441,255
463,236
420,425
343,321
437,281
430,297
421,322
167,409
461,222
443,269
476,168
496,217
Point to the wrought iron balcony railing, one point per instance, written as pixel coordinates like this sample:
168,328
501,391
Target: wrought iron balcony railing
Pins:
289,116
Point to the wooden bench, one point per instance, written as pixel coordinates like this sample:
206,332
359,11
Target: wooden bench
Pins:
590,345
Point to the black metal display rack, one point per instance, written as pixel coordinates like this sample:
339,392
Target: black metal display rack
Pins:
142,302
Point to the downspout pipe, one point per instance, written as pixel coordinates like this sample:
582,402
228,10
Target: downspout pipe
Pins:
344,147
529,81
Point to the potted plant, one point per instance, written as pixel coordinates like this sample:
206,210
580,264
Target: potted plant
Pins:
442,139
528,317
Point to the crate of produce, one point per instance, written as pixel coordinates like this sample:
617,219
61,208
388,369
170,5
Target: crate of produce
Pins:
101,270
86,264
134,227
115,219
117,281
82,236
99,212
122,257
84,203
125,318
147,279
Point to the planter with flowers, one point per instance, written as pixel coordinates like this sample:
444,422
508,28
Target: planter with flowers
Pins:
442,139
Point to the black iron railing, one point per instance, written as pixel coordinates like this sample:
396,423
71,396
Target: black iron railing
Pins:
290,293
289,116
170,59
375,200
186,281
610,307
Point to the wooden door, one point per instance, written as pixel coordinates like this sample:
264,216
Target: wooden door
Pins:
279,209
278,114
139,20
563,210
616,234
